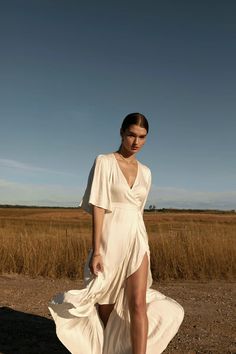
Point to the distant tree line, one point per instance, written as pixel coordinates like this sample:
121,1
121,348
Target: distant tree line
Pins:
151,208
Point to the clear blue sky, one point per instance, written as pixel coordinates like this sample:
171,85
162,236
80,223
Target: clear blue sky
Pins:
69,73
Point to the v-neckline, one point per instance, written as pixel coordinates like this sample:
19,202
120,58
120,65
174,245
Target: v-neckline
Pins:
117,163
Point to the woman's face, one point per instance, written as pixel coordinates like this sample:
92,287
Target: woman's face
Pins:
134,138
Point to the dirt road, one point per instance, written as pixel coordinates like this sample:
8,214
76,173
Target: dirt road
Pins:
27,328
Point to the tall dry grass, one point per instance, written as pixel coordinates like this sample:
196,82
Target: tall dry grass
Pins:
55,243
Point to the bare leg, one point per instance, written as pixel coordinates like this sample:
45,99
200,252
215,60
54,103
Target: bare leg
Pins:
104,312
136,287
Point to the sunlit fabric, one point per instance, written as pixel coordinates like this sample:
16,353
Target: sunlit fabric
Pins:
124,242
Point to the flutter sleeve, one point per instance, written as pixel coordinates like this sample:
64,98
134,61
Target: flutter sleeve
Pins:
148,186
98,186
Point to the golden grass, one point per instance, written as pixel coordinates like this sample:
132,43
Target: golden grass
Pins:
55,243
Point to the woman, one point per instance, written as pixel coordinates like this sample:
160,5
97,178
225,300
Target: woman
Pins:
117,312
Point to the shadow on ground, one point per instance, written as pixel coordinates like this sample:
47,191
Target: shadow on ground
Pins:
23,333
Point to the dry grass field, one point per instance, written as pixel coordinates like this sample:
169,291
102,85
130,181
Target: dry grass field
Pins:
55,243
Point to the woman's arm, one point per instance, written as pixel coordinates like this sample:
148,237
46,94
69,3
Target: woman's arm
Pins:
96,262
97,219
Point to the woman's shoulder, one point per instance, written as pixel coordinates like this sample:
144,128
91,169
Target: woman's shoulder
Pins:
105,156
104,159
145,168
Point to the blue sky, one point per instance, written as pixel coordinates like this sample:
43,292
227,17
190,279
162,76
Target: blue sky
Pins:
70,71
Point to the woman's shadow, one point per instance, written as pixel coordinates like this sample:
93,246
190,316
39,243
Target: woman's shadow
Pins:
23,333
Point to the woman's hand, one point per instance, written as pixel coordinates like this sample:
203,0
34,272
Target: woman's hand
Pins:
96,264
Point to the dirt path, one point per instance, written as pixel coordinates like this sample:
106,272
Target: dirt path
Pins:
26,326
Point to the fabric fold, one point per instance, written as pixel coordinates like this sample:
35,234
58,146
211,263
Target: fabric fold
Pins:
124,243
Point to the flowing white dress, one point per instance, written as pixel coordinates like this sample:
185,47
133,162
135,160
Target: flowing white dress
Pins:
124,242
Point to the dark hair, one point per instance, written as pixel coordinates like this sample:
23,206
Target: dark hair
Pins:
135,118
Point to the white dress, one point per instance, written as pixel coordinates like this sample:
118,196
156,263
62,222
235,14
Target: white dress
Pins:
124,242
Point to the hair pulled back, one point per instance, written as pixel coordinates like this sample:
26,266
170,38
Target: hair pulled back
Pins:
134,118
